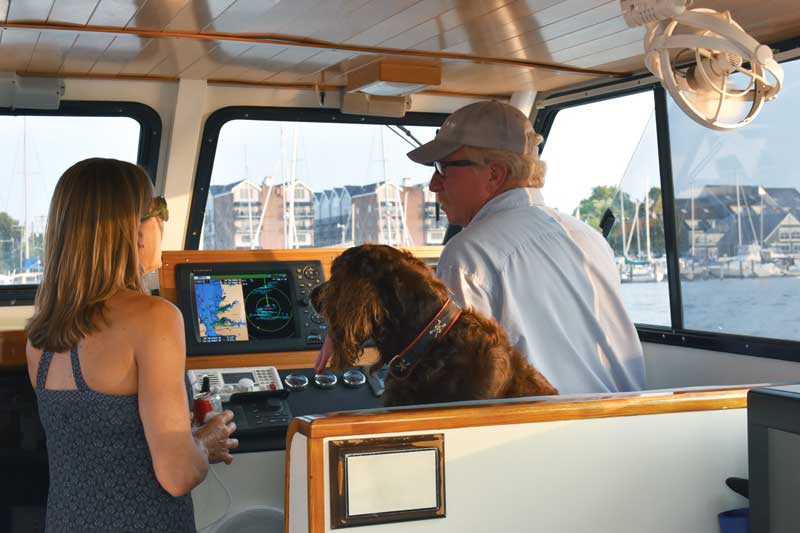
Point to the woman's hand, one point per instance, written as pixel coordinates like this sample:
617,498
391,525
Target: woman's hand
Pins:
215,436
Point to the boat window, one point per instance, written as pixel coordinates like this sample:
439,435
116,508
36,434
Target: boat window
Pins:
36,147
737,205
603,155
278,184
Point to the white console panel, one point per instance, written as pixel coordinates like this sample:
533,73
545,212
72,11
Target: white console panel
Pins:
245,496
227,381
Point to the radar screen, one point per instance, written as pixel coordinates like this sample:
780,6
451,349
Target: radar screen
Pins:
244,307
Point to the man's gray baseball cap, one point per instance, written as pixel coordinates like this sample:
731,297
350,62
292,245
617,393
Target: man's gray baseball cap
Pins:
487,124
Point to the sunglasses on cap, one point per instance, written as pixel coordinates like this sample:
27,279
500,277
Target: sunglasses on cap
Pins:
441,166
160,210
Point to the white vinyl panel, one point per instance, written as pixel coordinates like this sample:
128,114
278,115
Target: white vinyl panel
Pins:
195,16
402,22
16,48
154,52
477,35
288,61
313,65
29,10
88,48
115,13
224,53
433,29
362,19
261,16
298,485
253,59
184,52
122,50
50,51
528,33
3,9
331,13
72,11
597,47
155,15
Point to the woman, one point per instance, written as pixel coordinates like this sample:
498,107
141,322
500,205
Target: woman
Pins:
107,361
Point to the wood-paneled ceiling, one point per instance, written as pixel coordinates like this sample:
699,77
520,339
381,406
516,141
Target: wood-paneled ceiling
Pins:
489,47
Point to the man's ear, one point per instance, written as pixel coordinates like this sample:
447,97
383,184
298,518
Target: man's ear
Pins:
498,176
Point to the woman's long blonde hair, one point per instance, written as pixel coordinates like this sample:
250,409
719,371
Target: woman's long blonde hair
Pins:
90,250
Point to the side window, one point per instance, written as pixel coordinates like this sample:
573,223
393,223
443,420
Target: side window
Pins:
737,196
316,184
34,151
604,155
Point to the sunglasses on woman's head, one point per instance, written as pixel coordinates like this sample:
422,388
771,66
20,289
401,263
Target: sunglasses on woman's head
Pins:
160,210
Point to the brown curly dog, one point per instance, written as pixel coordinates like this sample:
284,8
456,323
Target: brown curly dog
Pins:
436,352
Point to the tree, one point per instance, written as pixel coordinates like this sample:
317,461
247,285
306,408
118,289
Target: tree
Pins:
591,211
9,242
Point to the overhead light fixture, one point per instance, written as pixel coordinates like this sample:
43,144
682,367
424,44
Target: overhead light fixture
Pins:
30,92
394,77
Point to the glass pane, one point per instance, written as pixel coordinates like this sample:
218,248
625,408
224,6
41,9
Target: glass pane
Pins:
605,155
35,151
311,184
738,219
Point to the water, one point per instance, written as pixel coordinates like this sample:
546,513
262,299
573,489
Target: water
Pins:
760,307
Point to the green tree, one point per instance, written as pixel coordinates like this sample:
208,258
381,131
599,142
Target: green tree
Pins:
591,211
9,243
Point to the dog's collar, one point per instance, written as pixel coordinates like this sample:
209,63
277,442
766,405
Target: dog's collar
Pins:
403,363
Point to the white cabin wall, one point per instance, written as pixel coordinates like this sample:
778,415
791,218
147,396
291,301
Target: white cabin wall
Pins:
656,473
670,367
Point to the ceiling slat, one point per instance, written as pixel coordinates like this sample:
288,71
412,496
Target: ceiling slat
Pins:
29,9
50,50
156,15
4,9
260,16
72,11
182,54
17,49
115,13
225,53
123,49
255,58
361,19
196,16
88,48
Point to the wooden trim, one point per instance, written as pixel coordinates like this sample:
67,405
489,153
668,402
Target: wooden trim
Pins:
521,411
293,40
316,487
290,433
338,450
12,349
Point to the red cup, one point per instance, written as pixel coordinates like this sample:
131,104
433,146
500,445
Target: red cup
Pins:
202,406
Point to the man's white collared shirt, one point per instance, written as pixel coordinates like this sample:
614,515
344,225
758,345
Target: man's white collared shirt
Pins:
551,282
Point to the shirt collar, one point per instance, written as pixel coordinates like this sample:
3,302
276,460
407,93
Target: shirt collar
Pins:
517,197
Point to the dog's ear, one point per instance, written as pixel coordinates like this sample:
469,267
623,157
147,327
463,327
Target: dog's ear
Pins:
359,311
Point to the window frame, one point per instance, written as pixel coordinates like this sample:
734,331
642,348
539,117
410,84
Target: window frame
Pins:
220,117
677,334
146,156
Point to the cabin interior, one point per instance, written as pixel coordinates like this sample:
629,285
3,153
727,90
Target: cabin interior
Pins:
277,132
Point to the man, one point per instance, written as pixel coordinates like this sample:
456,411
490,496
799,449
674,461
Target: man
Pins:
549,279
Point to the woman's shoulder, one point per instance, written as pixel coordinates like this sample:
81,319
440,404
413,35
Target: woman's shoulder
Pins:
139,307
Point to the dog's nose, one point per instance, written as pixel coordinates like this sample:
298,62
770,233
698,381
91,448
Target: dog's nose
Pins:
316,303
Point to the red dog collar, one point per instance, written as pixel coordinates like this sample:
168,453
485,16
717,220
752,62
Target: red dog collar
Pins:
403,363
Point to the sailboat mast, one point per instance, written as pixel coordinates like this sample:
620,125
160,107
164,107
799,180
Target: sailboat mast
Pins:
647,216
622,218
388,214
691,185
25,236
738,212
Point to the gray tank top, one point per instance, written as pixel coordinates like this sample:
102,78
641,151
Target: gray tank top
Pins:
101,473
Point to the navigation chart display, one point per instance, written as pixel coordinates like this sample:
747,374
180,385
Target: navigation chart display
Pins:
243,307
